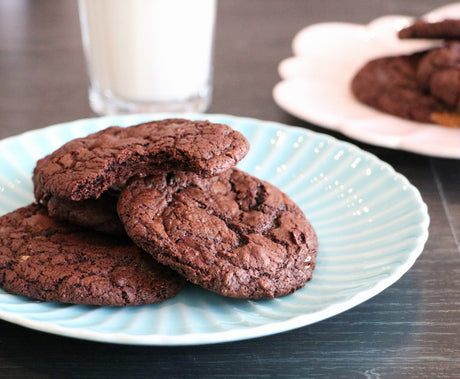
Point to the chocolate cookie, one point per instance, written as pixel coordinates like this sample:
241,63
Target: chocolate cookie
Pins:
85,167
445,29
438,73
233,234
97,214
390,85
48,260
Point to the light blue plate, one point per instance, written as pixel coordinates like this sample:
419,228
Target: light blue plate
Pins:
371,222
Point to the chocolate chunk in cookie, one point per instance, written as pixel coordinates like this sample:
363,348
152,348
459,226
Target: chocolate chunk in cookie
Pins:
233,234
86,167
445,29
48,260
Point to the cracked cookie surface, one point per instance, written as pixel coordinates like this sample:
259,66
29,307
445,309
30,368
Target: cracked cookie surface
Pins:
86,167
47,260
232,234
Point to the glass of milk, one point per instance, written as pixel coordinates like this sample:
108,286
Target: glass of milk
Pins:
148,55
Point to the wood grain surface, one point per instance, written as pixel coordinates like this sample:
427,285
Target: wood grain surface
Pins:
412,329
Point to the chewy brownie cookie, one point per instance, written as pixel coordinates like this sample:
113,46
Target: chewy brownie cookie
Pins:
85,167
233,234
445,29
48,260
438,73
97,214
390,85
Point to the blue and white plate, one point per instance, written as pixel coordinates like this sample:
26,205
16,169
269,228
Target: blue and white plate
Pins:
371,222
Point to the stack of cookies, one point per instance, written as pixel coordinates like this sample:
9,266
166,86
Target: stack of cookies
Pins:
423,86
128,216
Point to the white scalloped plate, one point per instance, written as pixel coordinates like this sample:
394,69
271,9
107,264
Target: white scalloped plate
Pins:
371,222
315,84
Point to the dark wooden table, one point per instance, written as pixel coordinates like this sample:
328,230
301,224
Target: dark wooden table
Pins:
411,329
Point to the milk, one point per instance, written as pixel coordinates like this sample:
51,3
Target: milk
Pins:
148,54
